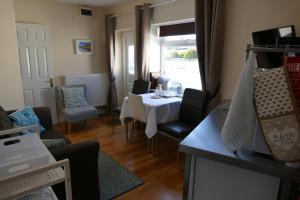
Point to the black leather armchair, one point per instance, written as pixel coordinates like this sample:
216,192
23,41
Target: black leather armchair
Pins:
192,112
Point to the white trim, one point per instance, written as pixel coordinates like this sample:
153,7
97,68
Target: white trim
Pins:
163,3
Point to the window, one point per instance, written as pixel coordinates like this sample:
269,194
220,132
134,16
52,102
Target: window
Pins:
130,59
179,61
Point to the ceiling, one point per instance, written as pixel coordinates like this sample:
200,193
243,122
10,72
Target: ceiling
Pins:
93,2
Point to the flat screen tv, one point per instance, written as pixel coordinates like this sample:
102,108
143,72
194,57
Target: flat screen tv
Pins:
271,37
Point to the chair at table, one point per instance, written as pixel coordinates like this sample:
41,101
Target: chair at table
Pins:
137,110
139,87
115,112
192,112
78,113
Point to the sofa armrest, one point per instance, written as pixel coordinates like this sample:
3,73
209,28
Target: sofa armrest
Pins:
83,159
17,130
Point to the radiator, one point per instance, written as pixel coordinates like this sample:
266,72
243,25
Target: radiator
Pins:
96,84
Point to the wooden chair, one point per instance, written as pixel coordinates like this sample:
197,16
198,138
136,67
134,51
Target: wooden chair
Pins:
115,112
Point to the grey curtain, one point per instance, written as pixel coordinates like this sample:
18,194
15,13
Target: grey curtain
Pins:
209,37
110,24
143,19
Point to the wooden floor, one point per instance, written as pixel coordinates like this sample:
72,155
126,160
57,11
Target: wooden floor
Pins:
162,179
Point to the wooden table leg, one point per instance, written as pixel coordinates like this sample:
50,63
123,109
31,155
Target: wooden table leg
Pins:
152,145
126,125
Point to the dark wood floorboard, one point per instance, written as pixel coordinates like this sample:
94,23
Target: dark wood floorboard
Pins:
162,179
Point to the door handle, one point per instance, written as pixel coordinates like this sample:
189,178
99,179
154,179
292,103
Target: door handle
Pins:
51,82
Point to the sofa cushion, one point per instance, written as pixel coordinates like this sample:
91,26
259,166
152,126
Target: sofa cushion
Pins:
53,134
54,143
79,113
44,193
5,122
74,97
25,117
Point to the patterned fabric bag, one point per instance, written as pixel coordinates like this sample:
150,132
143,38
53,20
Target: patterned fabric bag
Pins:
277,113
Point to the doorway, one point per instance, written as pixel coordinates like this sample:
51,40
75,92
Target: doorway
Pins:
36,66
128,61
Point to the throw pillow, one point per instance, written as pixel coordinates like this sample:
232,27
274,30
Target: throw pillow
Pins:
54,143
25,117
74,97
5,122
44,193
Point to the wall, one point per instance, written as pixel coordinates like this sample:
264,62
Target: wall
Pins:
11,95
65,25
167,13
241,19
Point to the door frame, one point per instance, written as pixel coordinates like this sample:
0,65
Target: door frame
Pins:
124,58
50,67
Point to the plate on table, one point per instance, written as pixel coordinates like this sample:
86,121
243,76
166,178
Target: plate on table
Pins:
155,97
168,95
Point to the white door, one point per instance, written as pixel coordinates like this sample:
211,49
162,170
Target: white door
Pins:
128,60
36,66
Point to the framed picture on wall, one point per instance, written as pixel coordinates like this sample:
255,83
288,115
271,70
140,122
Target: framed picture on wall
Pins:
84,47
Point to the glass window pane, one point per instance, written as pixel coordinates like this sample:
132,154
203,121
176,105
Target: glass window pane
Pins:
131,59
180,64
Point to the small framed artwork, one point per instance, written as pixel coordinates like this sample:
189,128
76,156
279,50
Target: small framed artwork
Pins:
84,47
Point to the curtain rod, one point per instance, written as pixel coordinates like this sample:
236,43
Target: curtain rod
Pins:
152,6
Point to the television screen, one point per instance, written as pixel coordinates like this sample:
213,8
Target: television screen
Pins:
271,37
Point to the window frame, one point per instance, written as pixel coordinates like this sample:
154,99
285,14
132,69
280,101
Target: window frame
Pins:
173,43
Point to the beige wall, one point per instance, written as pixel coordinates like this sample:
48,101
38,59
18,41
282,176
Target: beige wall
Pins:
65,25
242,18
11,95
182,10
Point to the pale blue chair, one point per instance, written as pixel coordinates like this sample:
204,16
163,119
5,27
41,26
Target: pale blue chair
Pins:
75,114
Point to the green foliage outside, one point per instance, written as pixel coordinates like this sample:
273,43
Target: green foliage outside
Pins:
174,54
187,54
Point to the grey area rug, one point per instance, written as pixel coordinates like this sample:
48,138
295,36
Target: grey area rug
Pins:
114,178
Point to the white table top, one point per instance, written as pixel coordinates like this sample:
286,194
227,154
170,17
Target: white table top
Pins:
157,110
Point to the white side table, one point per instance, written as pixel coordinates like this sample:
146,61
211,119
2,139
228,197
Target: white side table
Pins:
18,182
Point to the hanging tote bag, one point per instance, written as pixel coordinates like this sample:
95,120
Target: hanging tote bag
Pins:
276,110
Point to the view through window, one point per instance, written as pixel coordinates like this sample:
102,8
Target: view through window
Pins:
179,61
131,59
